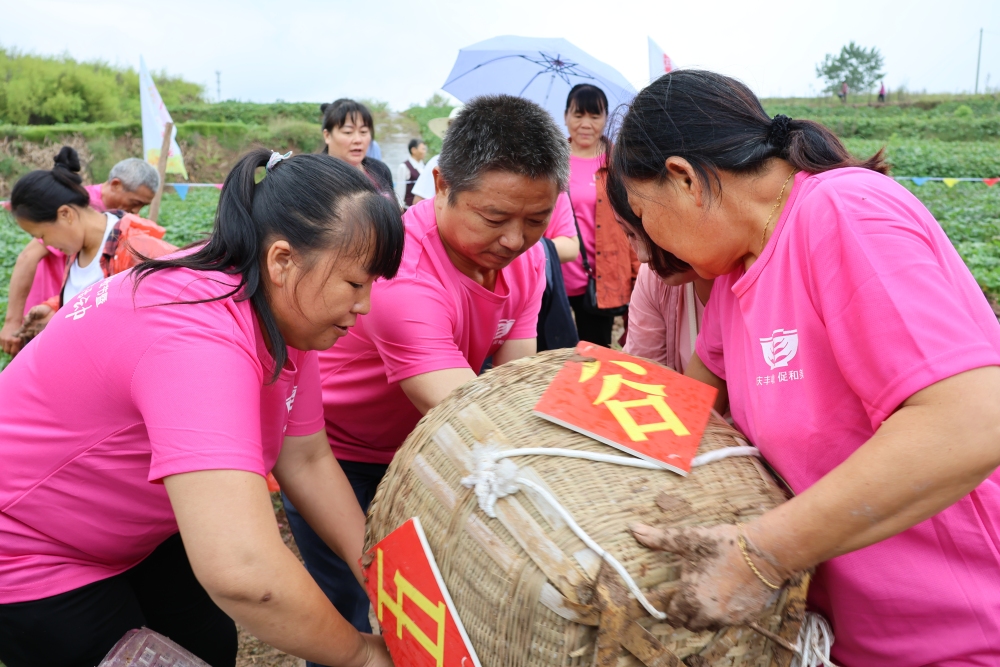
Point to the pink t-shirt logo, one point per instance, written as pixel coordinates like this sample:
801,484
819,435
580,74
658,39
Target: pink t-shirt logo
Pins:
781,347
290,401
503,328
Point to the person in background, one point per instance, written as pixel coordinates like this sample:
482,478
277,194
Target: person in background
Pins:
39,270
881,93
469,287
201,370
856,351
408,171
424,187
843,92
348,129
374,150
668,302
54,207
610,258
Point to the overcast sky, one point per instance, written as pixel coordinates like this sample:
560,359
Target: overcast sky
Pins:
402,50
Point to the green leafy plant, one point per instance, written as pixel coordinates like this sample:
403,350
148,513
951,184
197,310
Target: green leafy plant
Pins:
42,90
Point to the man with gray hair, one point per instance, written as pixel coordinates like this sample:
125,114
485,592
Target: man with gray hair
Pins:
469,287
38,271
131,185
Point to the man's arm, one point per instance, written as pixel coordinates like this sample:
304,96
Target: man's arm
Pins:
20,286
567,247
515,349
426,390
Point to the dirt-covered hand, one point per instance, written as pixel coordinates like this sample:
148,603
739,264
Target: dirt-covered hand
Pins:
717,588
378,655
10,342
34,322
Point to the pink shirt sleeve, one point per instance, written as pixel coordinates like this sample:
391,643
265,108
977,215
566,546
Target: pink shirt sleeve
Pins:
652,329
412,324
199,395
709,344
561,223
306,416
901,309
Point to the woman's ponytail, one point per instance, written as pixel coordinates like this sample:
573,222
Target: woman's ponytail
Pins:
813,148
314,202
717,123
38,195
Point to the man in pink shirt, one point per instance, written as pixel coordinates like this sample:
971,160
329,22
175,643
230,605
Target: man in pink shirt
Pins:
39,270
469,288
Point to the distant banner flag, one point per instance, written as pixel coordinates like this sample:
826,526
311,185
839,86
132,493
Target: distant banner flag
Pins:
950,182
181,190
920,181
659,62
154,119
990,182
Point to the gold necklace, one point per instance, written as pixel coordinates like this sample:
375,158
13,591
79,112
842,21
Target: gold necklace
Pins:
773,209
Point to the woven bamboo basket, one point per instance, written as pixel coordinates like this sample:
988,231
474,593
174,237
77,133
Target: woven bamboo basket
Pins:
528,591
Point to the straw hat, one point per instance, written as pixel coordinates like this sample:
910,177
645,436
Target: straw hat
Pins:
439,126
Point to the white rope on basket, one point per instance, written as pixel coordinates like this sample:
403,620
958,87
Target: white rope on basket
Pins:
493,476
814,642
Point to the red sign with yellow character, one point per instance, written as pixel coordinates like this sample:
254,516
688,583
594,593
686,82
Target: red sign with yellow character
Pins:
419,621
630,403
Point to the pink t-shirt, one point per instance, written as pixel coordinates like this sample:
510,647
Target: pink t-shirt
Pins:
583,192
663,320
96,202
561,222
428,318
112,398
858,301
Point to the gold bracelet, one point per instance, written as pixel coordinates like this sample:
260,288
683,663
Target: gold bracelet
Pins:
746,556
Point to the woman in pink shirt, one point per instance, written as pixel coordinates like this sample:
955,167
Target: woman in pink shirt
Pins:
39,270
855,350
199,380
469,287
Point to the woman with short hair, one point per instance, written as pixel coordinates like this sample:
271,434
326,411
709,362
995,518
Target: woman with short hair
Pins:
348,131
201,376
856,351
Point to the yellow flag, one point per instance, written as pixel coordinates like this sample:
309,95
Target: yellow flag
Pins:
950,182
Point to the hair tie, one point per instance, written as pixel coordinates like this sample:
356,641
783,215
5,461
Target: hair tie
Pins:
275,158
777,134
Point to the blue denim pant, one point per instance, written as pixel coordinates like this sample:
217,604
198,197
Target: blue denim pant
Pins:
333,575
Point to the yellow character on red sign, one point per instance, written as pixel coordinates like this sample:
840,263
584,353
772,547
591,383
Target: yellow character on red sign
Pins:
656,399
406,590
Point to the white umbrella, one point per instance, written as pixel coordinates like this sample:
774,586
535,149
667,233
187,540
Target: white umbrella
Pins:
539,69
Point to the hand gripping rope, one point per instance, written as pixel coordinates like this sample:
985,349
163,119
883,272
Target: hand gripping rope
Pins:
493,476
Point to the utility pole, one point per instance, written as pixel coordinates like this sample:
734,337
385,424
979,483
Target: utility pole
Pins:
978,58
218,78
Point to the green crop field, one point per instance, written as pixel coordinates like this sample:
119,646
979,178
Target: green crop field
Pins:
925,135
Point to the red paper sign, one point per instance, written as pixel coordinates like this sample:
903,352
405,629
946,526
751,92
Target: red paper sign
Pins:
634,405
419,621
